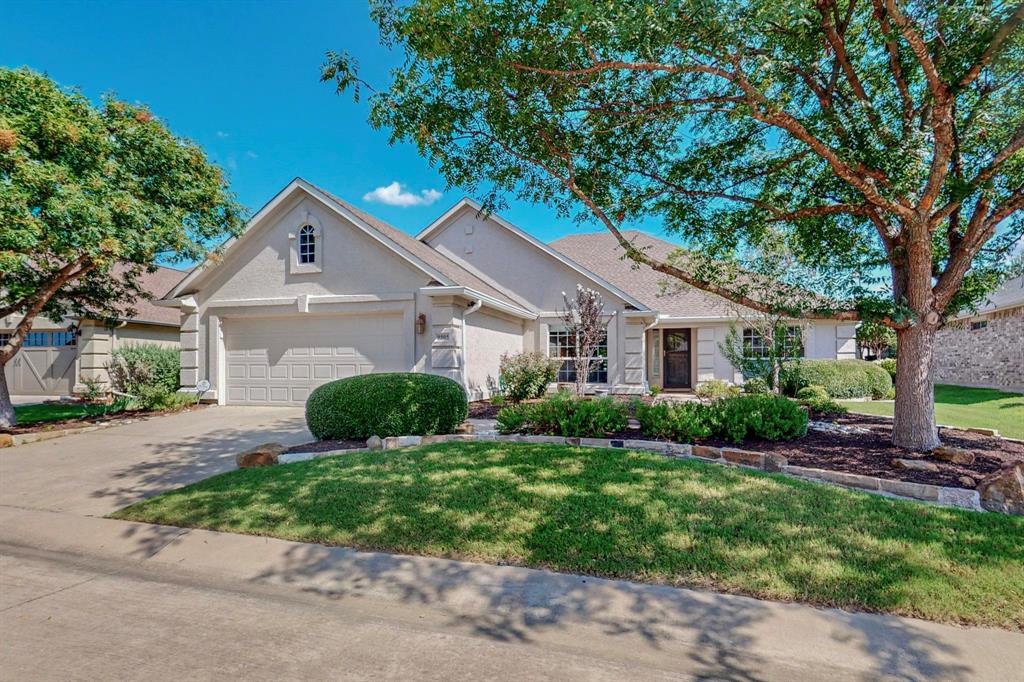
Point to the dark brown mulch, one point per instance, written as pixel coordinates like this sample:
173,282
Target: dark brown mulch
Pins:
75,422
484,409
871,454
327,445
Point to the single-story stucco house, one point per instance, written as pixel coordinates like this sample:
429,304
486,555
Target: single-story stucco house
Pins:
315,289
55,357
985,347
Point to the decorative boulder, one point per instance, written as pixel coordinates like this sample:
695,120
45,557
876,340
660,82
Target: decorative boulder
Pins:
953,455
374,443
264,455
968,482
1003,491
913,465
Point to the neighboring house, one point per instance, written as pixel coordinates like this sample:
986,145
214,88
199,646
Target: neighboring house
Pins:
315,289
55,357
985,347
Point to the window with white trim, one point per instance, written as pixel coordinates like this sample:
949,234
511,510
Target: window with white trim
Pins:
307,245
562,346
755,346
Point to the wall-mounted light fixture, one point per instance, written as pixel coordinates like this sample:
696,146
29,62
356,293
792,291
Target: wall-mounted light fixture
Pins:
421,323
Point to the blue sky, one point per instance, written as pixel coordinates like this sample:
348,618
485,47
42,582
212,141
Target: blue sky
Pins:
242,80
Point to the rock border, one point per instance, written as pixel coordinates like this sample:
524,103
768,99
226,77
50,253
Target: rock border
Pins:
960,498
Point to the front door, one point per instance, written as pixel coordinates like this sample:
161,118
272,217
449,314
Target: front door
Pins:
677,358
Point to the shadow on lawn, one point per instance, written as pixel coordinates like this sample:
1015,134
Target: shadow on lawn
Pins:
617,514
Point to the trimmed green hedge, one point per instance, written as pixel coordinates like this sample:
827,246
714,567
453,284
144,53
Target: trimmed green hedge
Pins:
735,418
396,404
839,378
566,415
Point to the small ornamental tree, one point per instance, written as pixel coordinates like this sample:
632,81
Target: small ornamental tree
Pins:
883,138
84,189
875,338
582,318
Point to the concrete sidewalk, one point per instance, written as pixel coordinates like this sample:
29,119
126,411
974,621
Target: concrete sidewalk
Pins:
172,602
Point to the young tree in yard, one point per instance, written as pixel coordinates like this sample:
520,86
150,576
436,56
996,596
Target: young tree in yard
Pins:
882,137
84,189
583,321
875,338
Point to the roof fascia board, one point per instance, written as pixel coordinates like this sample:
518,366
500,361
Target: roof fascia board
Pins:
488,301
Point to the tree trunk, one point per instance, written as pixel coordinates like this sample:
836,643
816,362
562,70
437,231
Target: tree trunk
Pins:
913,425
7,418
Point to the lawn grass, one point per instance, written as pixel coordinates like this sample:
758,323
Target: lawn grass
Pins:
632,515
961,406
37,414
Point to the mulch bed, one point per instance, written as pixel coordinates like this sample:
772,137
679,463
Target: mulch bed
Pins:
327,445
74,422
871,454
484,409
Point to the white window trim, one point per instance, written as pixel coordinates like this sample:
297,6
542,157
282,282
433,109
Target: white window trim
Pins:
555,328
803,342
294,266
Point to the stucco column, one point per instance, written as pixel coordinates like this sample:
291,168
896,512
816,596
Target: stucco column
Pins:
446,332
189,346
95,343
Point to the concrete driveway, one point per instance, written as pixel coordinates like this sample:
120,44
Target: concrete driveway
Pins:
84,598
101,471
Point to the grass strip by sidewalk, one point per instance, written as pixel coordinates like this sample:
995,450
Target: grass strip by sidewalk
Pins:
52,412
630,515
965,407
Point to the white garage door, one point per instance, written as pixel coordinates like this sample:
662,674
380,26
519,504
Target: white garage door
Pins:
279,360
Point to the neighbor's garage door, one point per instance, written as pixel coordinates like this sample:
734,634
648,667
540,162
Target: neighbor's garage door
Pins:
44,366
280,360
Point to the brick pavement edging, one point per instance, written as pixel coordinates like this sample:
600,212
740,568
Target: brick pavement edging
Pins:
962,498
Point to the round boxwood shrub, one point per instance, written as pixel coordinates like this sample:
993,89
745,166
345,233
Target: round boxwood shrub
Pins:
396,404
839,378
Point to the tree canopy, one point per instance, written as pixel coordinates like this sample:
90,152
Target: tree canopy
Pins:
840,123
880,140
90,198
84,188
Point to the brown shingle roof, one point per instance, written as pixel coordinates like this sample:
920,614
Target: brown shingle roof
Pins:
435,259
602,254
158,284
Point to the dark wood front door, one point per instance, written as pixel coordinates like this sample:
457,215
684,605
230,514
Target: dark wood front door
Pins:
677,358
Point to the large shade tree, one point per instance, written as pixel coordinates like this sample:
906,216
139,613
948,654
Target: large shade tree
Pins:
90,198
882,138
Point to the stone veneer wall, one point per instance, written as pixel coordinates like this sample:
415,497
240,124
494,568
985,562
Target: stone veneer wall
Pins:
993,356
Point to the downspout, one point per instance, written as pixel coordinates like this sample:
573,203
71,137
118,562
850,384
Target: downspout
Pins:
647,360
473,307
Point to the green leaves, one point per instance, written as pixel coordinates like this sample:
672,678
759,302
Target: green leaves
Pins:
724,121
99,186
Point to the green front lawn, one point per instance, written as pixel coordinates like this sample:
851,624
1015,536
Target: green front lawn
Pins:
960,406
632,515
36,414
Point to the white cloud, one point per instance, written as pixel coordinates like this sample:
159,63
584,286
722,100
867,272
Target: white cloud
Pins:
221,134
395,195
252,155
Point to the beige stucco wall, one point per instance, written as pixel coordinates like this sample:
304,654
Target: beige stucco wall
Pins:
131,333
357,276
992,357
537,279
488,336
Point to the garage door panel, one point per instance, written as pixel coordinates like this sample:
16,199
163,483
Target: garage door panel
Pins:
281,360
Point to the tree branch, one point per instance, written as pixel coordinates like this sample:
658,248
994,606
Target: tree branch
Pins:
1001,34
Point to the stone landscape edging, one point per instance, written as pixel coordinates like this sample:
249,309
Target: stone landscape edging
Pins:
961,498
11,440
